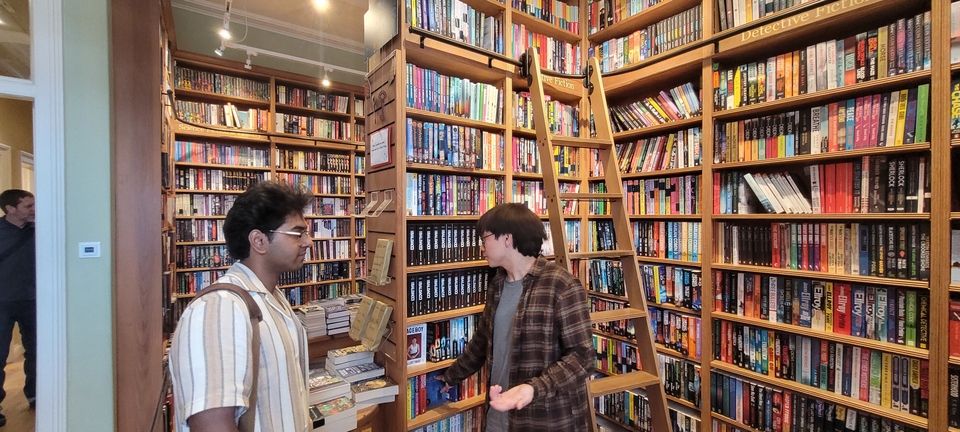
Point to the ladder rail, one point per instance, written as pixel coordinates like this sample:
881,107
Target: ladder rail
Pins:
594,94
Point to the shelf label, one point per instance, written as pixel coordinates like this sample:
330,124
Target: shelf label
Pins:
791,22
380,147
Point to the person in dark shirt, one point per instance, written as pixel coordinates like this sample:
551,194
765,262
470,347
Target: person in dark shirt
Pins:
18,286
533,339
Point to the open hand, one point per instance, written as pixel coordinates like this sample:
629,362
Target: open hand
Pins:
515,398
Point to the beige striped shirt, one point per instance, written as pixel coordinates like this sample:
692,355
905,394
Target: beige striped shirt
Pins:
210,357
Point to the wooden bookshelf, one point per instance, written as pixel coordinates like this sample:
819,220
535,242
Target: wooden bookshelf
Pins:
869,280
646,17
270,143
826,157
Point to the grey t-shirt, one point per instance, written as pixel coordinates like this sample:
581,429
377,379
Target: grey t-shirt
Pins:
502,331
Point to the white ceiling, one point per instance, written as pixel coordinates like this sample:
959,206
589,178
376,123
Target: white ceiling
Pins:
15,38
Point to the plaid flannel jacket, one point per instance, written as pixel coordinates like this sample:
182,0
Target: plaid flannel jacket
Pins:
552,349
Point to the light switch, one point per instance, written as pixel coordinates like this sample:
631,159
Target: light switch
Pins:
89,250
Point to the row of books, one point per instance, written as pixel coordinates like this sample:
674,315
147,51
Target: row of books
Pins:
605,276
316,272
197,230
562,119
660,37
633,409
614,356
604,13
670,240
571,230
310,98
453,146
430,90
676,331
530,192
622,328
312,126
897,118
198,204
331,206
880,378
680,149
678,103
439,340
203,256
188,283
438,243
556,12
446,290
898,48
600,235
213,82
893,250
332,249
219,153
735,13
317,184
425,392
887,314
326,228
457,20
871,184
223,115
451,195
312,160
674,285
663,196
681,378
207,179
552,54
526,158
463,421
764,407
300,295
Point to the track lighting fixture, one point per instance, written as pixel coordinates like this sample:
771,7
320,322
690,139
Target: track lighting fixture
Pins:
224,31
249,64
219,51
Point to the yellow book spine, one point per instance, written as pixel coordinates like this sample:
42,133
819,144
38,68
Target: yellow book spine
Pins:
901,118
828,307
886,380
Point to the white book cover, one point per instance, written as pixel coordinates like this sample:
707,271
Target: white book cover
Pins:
774,300
813,172
815,130
812,70
770,192
855,375
416,344
773,190
891,133
831,54
855,248
758,192
796,190
838,370
821,75
788,191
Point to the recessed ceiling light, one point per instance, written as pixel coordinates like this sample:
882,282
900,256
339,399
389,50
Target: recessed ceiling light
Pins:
321,5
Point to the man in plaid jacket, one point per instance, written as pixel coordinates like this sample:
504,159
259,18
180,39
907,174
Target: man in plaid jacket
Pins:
533,340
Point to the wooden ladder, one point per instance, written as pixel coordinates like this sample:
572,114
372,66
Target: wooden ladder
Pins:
647,377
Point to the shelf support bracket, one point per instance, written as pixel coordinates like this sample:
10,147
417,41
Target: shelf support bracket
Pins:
373,199
387,199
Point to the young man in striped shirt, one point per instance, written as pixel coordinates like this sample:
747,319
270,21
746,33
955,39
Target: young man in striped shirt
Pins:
211,352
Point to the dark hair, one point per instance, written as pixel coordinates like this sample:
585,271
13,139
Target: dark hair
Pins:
264,206
12,197
517,220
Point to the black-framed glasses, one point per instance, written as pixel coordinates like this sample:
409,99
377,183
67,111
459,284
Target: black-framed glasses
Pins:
484,237
299,234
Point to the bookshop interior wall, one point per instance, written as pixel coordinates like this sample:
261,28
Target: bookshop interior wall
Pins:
783,195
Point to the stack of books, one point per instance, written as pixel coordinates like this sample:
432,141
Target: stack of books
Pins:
313,318
338,319
374,391
325,385
337,415
353,364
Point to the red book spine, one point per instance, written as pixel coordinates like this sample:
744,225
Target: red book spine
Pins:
841,308
954,328
775,240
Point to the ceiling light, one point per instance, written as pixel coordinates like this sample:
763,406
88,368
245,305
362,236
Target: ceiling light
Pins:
326,78
219,51
321,5
1,21
224,31
249,64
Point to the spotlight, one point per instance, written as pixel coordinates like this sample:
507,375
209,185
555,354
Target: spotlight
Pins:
248,65
219,51
321,5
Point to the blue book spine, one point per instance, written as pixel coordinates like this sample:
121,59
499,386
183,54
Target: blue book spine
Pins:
857,311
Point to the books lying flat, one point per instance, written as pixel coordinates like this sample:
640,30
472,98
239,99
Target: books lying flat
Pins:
377,401
362,372
325,385
330,365
349,354
377,388
335,415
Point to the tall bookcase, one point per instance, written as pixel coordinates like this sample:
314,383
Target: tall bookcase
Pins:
692,219
290,130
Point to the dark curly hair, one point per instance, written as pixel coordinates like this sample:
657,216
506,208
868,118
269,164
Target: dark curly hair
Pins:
516,219
264,206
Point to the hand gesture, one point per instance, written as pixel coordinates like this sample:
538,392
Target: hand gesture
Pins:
446,387
515,398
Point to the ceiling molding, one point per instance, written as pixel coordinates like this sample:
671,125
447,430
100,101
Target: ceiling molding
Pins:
215,10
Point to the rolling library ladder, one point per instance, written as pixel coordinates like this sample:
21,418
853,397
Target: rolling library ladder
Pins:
647,377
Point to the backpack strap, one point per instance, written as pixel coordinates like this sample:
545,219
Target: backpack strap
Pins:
248,419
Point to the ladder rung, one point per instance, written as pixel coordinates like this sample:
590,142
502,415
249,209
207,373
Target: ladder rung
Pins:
617,315
591,196
622,382
619,253
592,143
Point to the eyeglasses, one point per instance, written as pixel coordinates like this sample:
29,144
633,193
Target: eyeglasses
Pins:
299,234
484,237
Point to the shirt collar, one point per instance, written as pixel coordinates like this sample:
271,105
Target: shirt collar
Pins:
244,272
11,225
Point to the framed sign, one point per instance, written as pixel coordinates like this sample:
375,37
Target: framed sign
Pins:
380,153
